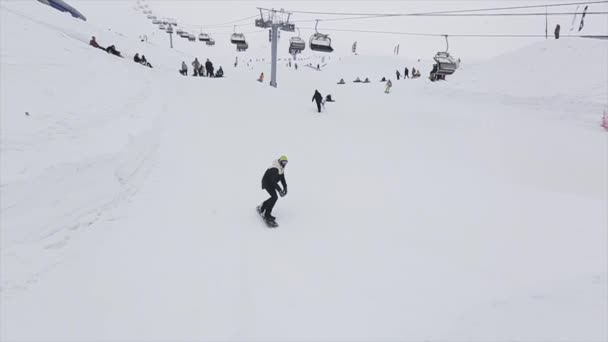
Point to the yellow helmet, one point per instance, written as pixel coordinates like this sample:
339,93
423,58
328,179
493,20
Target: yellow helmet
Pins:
283,158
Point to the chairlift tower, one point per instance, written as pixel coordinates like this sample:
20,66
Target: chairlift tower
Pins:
275,20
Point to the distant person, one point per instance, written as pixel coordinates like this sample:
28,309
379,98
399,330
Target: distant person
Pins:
112,49
145,62
388,87
261,78
93,43
357,80
406,73
341,81
557,29
184,69
209,67
366,80
383,79
295,65
318,67
398,75
196,66
318,98
136,58
201,70
417,74
219,73
328,98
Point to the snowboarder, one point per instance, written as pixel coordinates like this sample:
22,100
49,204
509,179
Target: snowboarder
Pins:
318,98
272,176
406,73
389,85
398,75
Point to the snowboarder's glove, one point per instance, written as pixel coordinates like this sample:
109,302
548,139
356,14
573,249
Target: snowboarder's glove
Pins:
283,193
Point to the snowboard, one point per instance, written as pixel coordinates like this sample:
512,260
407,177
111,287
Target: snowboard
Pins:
269,223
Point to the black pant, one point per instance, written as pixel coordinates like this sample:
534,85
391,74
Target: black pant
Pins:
318,106
269,203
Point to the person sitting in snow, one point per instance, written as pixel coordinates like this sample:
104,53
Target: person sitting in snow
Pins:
383,79
93,43
366,80
184,69
136,58
357,80
328,98
389,85
145,62
341,81
219,73
261,78
112,49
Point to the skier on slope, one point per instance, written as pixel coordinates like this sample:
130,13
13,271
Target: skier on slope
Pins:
274,174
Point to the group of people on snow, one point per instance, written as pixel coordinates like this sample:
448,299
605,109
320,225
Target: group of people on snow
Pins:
110,49
141,60
406,73
202,70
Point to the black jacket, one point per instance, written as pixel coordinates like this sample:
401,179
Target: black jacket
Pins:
317,97
272,177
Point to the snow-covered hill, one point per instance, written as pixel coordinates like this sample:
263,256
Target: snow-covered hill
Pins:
473,209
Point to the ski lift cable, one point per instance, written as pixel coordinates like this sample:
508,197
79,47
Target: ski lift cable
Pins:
445,34
455,15
453,11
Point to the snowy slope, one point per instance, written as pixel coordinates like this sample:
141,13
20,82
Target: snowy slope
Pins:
464,210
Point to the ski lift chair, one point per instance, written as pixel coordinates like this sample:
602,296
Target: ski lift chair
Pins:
238,38
210,42
320,42
242,46
161,27
191,38
203,37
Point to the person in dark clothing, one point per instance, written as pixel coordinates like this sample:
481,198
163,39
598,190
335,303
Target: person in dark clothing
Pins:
112,49
273,175
144,61
328,98
209,67
219,73
557,29
93,43
318,98
398,75
136,58
406,73
195,66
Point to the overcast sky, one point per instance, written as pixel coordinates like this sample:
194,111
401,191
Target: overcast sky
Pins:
197,12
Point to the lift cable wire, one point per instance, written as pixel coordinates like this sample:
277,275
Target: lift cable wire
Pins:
453,11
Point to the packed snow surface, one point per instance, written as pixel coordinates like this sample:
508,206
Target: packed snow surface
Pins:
473,209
